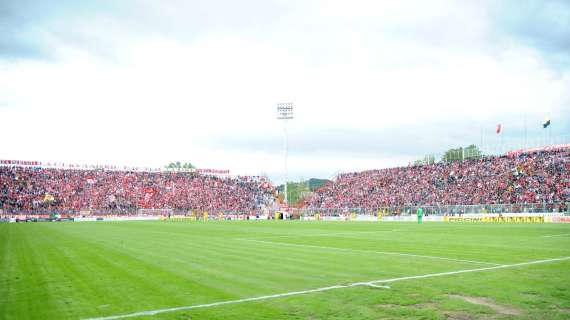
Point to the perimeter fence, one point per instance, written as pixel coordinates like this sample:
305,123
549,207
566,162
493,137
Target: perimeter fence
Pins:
561,207
403,210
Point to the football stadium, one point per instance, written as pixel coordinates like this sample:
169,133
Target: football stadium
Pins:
284,160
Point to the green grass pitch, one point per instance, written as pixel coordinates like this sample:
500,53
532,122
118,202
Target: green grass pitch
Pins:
106,269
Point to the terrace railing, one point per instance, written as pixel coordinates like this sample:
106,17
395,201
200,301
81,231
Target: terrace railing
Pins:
561,207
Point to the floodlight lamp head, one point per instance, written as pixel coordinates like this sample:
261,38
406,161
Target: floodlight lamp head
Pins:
285,111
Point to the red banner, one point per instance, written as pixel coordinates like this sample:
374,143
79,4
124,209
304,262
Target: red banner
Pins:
60,165
560,147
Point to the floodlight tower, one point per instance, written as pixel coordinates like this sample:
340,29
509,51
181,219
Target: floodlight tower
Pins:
285,112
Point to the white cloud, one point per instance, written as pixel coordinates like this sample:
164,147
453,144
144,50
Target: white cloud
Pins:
392,66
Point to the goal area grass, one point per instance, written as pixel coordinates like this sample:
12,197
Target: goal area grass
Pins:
284,270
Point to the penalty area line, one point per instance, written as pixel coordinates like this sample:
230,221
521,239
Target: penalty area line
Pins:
377,286
371,252
332,234
295,293
557,235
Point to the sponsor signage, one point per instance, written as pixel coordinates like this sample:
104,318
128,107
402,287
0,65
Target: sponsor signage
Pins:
563,219
61,165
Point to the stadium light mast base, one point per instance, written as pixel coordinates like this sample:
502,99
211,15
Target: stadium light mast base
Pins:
285,112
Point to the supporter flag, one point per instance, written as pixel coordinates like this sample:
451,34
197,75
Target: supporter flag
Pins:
499,128
149,193
546,123
48,198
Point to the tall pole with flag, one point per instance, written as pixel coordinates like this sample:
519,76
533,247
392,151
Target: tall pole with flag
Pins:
525,133
500,132
548,134
481,137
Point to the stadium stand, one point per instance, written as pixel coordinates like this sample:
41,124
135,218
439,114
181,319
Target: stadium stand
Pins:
29,189
520,177
537,177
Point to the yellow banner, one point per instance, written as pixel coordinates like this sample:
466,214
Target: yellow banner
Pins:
499,219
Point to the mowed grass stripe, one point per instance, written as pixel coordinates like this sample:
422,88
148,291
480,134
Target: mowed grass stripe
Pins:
126,275
218,248
357,251
495,244
286,268
94,269
279,276
230,251
133,276
40,274
328,288
151,265
440,239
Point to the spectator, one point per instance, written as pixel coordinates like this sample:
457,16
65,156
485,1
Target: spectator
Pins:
28,189
542,177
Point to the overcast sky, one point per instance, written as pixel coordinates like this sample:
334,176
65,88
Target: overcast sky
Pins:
374,83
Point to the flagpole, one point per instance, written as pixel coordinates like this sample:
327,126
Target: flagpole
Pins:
502,141
547,132
499,133
550,134
525,136
481,137
544,143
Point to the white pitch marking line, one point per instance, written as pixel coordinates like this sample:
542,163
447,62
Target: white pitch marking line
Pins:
503,266
294,293
370,251
557,235
377,286
331,234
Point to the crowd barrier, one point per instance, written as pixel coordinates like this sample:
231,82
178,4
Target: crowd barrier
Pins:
545,217
79,219
507,217
166,218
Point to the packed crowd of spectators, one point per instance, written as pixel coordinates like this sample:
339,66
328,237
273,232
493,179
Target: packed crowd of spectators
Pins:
34,188
541,177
